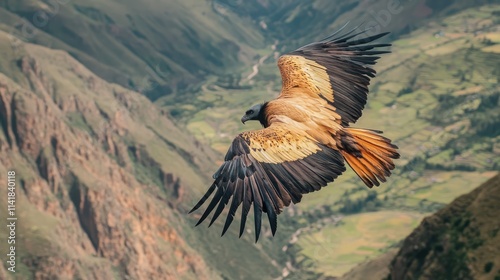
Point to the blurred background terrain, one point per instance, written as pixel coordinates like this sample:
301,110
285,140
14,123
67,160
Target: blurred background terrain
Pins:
114,115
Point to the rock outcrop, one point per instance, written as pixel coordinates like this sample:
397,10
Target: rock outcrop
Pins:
98,172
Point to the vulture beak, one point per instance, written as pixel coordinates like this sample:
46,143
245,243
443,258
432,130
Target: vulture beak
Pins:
244,119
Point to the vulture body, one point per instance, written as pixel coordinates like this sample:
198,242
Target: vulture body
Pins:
306,139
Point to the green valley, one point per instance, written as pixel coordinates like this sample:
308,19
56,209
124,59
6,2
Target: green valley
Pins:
115,114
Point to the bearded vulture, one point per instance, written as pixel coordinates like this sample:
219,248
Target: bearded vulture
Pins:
306,138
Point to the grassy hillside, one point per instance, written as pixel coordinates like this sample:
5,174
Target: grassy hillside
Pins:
156,47
296,22
170,47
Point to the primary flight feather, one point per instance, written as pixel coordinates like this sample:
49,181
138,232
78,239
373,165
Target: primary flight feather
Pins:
306,137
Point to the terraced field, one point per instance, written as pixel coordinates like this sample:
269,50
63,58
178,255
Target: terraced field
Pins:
356,238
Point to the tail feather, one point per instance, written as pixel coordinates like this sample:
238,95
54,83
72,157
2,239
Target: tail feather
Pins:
369,154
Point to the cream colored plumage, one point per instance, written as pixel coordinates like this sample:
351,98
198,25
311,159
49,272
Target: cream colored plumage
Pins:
306,137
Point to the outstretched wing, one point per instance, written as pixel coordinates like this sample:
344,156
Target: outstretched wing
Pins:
338,69
269,168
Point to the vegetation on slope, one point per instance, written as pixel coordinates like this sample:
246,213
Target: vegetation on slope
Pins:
170,47
104,179
156,47
461,241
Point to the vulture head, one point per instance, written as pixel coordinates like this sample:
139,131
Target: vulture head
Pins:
252,114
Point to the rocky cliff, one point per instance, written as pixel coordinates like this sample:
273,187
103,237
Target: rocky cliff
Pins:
103,176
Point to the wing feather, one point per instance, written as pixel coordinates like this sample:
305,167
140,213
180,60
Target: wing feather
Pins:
337,69
257,206
217,197
235,203
325,87
247,202
269,169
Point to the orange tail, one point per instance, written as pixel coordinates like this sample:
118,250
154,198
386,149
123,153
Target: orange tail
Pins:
369,154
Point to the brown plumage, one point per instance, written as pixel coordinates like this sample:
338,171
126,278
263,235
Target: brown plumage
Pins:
306,135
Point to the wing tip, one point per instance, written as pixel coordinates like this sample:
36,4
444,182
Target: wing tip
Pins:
347,36
224,231
257,235
199,222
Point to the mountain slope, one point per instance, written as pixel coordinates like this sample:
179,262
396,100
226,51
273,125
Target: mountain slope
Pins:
298,22
461,241
166,47
458,242
82,211
156,47
104,178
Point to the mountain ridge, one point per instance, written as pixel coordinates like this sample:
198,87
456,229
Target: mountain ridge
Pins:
459,241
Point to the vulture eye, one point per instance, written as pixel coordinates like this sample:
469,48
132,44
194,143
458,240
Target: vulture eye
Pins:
249,112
